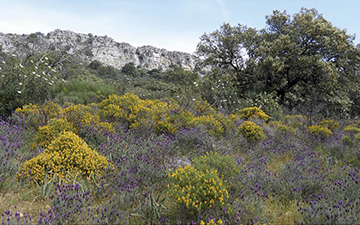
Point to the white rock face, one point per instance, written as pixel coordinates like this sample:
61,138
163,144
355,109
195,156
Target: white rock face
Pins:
90,47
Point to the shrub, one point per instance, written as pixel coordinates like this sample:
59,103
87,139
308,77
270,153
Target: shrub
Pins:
38,115
353,129
296,121
347,140
226,166
251,131
319,131
46,134
67,154
211,125
330,124
196,190
81,115
282,128
252,113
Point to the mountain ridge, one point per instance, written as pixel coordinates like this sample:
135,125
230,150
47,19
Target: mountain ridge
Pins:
89,47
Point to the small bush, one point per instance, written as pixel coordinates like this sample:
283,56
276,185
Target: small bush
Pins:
197,190
296,121
46,134
252,113
330,124
67,154
319,131
251,131
226,166
282,128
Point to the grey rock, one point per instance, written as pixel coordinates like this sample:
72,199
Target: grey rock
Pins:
177,162
89,47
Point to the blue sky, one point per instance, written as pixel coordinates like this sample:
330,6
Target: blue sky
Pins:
174,25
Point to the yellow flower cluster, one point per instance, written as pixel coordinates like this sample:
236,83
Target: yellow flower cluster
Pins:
353,132
46,134
352,129
319,131
226,166
197,190
132,110
81,115
66,154
330,124
282,128
212,222
211,124
251,131
38,115
160,115
252,113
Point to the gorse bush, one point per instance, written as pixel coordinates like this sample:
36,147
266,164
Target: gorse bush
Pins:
196,190
252,132
46,134
252,113
319,131
225,165
39,115
81,115
68,154
282,128
330,124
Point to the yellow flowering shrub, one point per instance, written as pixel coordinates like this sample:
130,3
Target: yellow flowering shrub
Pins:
282,128
251,131
352,129
252,113
347,140
211,125
66,154
330,124
37,115
357,137
172,121
46,134
132,110
196,190
296,121
203,108
212,222
52,110
81,115
105,126
32,115
225,165
319,131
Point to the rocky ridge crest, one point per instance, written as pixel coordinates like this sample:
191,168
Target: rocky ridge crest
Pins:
90,47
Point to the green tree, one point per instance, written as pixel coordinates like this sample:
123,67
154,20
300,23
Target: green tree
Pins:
310,64
25,82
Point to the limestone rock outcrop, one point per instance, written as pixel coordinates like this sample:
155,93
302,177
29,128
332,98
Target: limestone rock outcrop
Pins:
89,47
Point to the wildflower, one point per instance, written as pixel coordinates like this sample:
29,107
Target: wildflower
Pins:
21,65
3,62
13,55
19,92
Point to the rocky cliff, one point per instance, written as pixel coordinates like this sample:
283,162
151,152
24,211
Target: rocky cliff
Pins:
90,47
